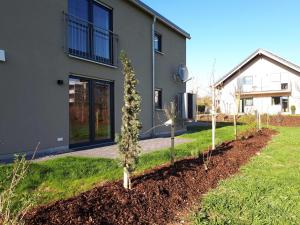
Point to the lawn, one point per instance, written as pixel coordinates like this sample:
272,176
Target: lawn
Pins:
267,191
66,177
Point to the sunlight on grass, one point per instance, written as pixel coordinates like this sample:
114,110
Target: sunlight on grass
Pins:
266,192
65,177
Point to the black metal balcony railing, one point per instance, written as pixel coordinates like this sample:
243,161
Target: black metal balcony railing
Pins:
87,41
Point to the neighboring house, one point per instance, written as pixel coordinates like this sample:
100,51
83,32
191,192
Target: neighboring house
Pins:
265,82
61,82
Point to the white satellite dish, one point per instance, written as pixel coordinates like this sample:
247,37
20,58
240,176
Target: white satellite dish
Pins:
182,74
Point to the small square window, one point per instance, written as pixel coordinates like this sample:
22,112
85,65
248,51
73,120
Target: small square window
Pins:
157,42
284,86
158,99
275,100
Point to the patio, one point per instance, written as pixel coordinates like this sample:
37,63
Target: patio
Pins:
111,152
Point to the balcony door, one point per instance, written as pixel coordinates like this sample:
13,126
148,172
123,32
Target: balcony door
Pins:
90,112
102,41
90,30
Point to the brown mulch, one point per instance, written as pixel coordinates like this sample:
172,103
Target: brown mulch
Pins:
287,121
158,196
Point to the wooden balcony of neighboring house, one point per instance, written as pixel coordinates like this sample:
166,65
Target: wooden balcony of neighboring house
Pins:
86,41
280,89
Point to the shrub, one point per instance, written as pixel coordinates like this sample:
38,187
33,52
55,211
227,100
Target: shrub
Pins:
293,109
12,206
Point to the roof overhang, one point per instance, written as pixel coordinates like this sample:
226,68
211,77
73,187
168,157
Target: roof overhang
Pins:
161,18
259,52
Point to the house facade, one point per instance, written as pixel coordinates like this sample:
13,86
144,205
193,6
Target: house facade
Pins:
264,82
62,82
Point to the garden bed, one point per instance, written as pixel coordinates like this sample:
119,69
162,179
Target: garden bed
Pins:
287,121
158,196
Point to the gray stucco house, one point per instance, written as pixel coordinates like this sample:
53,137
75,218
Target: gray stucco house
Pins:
61,81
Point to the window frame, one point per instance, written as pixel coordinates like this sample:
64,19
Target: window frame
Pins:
159,103
287,101
245,101
284,86
159,42
91,52
273,101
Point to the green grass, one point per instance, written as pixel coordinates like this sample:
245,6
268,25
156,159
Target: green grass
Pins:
65,177
267,191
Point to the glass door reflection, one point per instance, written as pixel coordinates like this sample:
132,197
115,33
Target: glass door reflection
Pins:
102,111
79,110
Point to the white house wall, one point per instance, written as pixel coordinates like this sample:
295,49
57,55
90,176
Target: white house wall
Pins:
267,76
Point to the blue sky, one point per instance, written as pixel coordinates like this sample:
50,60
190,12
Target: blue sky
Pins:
230,30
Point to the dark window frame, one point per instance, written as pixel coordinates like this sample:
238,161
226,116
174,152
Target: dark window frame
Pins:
158,48
90,54
284,86
158,103
273,102
93,141
285,99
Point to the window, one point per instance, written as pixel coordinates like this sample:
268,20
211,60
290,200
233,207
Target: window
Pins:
285,104
284,86
275,100
89,30
248,101
248,80
158,98
157,42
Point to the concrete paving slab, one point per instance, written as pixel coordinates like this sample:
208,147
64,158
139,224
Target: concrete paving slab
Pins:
111,152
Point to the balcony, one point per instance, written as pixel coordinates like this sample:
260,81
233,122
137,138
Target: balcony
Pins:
86,41
264,86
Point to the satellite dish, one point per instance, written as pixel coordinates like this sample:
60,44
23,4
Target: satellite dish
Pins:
182,74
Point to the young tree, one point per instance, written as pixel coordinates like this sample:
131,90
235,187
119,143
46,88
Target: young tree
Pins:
213,107
237,98
171,116
129,147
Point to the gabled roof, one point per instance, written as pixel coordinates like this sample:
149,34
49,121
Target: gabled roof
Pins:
161,18
258,52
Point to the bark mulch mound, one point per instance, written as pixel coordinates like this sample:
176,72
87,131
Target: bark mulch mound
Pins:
158,196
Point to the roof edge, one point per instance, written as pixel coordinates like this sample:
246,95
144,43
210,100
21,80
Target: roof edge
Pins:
259,51
163,19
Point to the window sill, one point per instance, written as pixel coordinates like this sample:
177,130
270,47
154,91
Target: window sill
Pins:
91,61
159,110
158,52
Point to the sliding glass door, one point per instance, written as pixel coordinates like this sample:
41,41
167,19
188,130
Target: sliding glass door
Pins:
90,111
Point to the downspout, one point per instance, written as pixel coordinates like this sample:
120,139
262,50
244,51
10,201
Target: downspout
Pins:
153,75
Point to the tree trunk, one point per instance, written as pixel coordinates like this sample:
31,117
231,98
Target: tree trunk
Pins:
213,119
235,127
126,179
213,131
172,132
172,142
